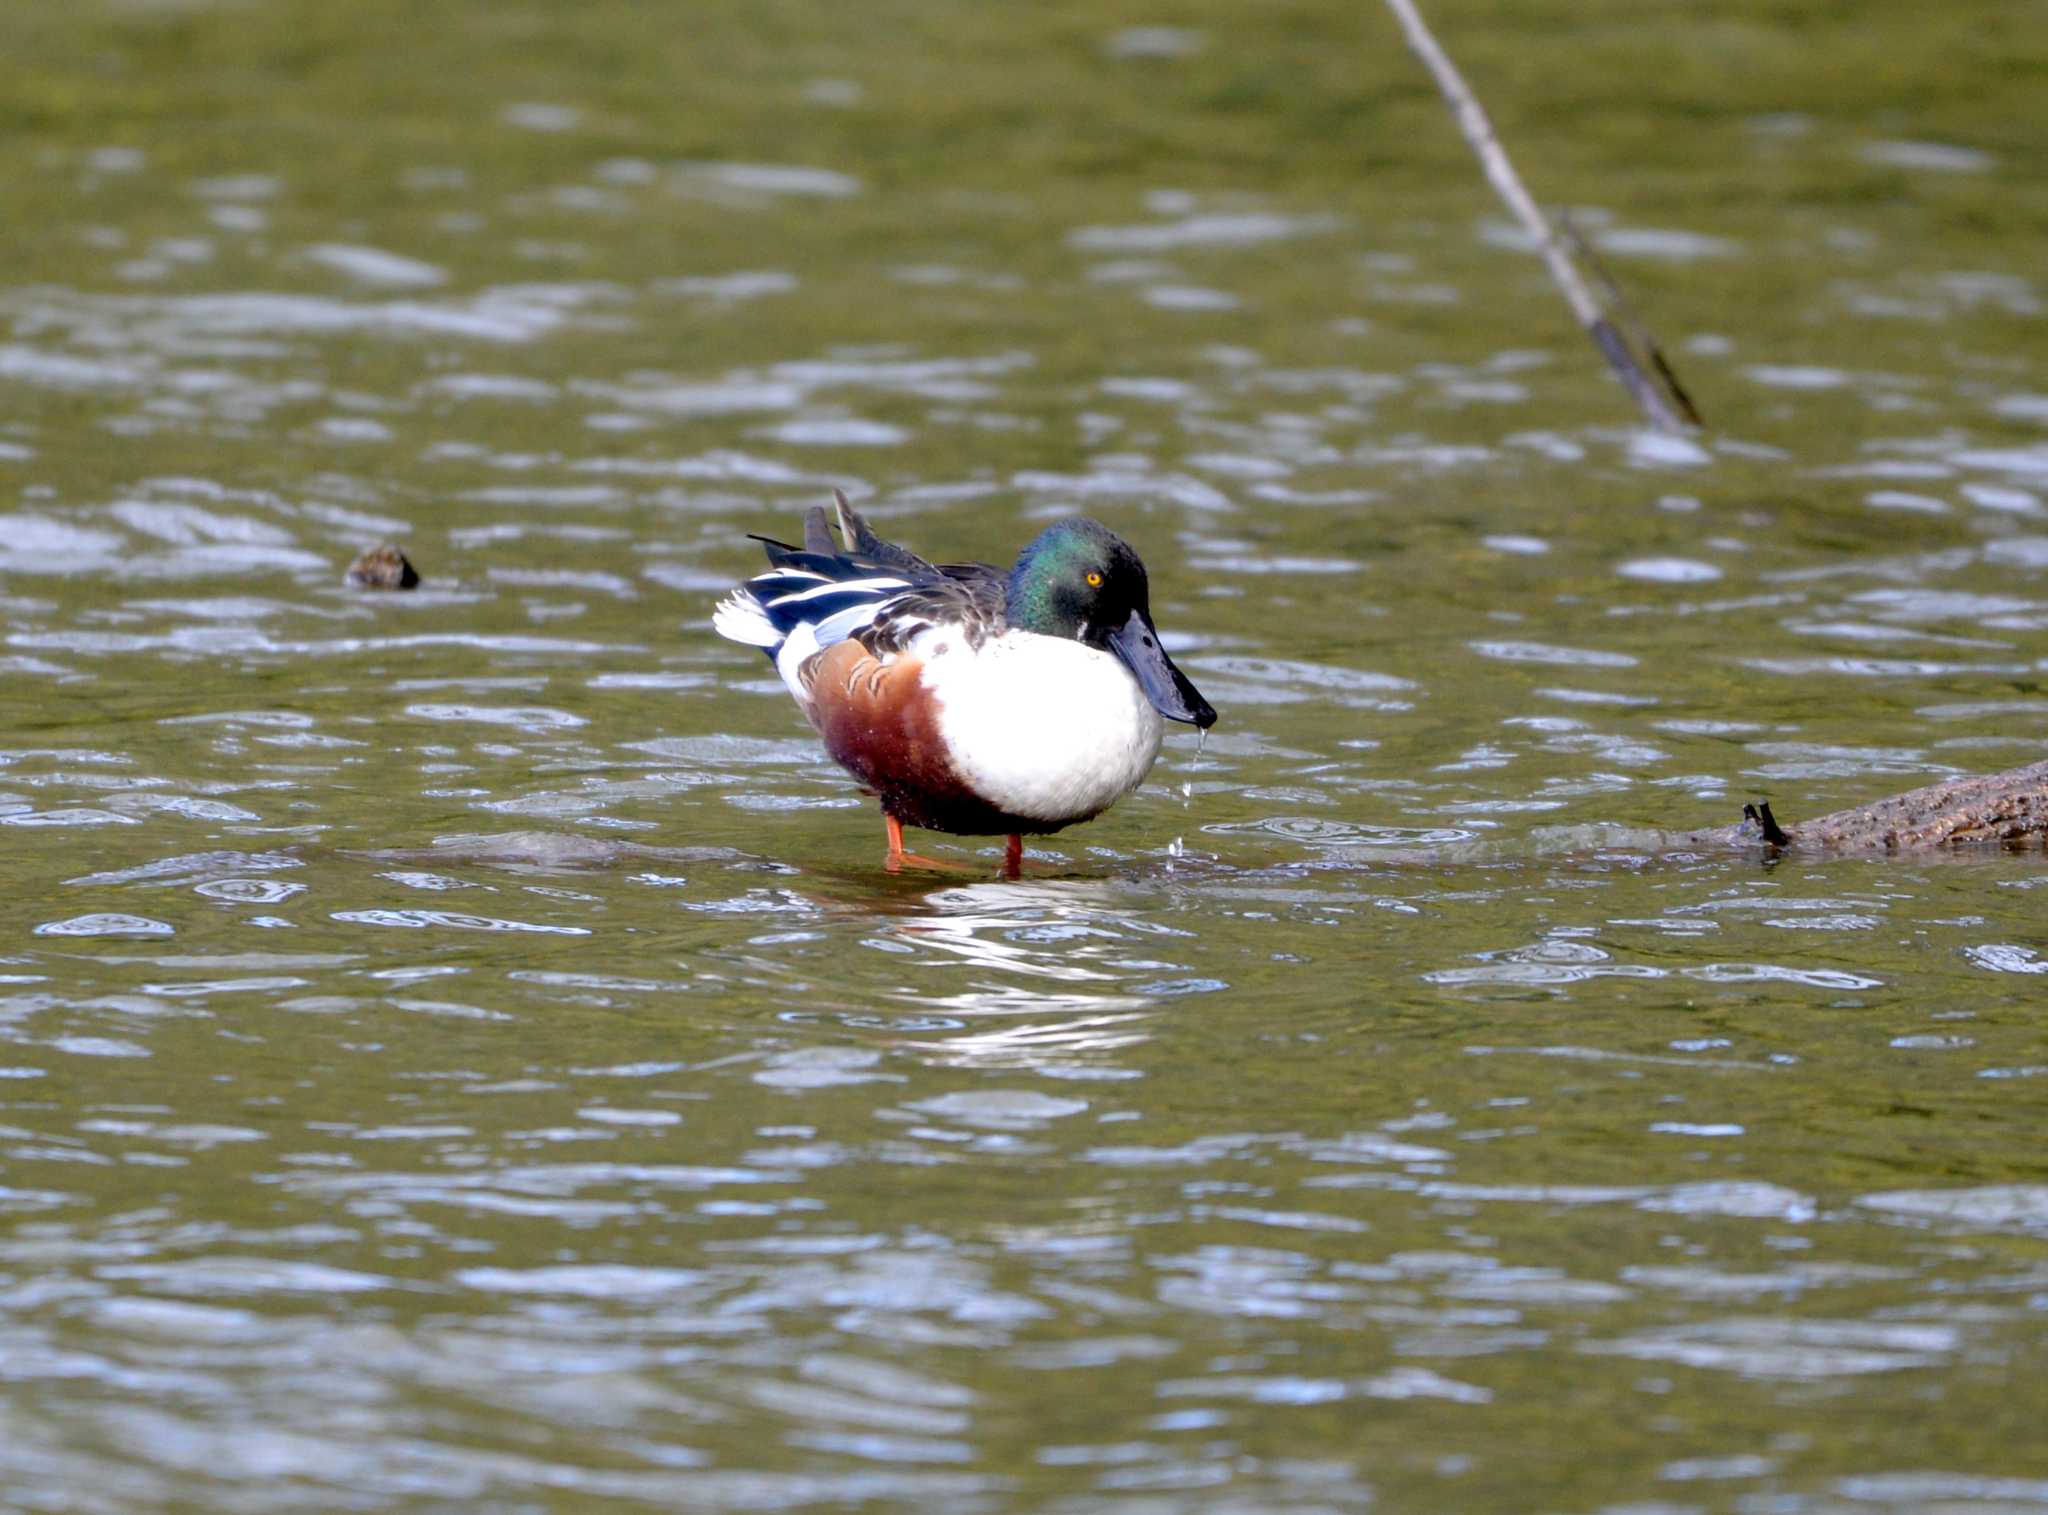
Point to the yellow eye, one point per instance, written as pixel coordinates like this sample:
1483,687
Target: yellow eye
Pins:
1094,581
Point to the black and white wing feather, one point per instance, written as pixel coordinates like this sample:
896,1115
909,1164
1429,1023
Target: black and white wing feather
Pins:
883,595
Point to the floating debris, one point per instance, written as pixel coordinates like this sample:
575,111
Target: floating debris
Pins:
382,567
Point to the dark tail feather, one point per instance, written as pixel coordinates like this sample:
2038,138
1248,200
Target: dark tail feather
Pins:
779,552
861,540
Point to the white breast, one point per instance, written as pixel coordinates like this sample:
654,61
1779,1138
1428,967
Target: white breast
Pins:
1041,727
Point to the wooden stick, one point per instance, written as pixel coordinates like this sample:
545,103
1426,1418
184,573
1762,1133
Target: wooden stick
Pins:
1500,173
1641,338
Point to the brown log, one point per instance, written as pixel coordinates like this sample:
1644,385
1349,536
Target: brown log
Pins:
1994,809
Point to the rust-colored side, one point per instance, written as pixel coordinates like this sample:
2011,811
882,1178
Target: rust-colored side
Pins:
881,725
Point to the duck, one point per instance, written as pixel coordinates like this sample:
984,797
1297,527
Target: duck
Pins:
969,699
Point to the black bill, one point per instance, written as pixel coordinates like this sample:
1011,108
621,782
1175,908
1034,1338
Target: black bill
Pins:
1137,643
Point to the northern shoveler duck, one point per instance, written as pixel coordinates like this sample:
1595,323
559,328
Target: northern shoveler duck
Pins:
968,699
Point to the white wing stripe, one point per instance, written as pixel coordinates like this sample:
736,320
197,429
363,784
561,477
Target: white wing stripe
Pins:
840,586
843,624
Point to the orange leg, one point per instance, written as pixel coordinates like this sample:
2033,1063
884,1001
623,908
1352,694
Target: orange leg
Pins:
897,857
1013,857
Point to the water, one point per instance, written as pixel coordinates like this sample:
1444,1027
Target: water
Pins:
461,1048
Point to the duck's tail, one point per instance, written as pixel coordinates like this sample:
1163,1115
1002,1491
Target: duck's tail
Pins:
818,594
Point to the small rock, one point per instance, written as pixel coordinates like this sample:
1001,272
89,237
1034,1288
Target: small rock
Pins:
382,567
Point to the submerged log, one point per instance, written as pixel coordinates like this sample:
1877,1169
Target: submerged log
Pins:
1995,809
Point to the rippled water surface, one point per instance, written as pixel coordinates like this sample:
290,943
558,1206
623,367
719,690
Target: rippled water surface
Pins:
460,1050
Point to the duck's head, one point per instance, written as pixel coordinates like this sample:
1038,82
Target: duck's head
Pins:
1079,579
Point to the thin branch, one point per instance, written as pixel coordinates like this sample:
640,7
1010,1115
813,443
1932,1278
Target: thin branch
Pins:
1493,159
1639,333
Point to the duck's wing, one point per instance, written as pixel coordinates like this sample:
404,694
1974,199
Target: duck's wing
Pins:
971,595
817,595
967,597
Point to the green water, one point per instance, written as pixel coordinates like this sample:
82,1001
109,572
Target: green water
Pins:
461,1049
